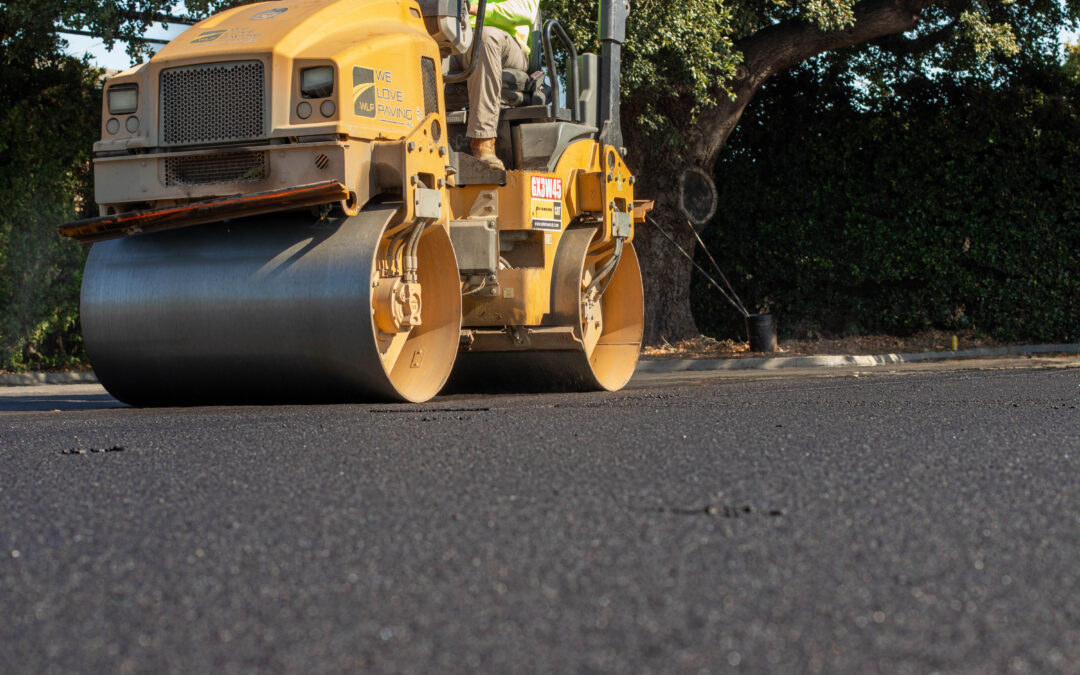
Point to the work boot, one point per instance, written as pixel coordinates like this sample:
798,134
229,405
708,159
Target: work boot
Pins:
484,150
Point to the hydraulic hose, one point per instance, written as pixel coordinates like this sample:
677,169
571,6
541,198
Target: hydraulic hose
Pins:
606,272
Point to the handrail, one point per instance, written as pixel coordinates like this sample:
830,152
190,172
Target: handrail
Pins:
549,56
478,35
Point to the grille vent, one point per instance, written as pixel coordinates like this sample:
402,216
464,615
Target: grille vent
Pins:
231,167
431,93
213,102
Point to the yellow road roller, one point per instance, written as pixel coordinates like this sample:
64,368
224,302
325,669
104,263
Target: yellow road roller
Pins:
289,212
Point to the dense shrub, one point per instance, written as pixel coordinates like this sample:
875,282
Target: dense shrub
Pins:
49,119
947,205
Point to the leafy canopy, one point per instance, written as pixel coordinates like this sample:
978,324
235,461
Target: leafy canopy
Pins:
680,53
29,25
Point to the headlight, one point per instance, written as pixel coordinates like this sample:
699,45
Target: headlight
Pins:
317,82
123,99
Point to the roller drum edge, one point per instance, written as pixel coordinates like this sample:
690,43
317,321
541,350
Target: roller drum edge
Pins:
269,309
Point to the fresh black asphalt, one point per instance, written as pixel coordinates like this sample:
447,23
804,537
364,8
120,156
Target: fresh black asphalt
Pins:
883,524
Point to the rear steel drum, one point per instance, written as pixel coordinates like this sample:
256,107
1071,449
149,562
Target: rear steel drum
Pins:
609,333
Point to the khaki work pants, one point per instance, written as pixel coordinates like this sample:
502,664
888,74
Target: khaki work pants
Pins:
499,50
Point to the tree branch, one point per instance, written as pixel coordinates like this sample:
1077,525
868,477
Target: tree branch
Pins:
780,46
86,33
152,17
898,45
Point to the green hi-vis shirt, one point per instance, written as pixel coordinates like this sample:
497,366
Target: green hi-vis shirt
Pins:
513,16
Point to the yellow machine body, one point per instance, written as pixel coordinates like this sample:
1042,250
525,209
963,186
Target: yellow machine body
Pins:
226,136
378,44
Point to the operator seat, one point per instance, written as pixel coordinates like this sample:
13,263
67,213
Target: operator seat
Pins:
519,88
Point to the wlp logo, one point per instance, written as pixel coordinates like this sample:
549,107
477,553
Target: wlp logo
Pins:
363,80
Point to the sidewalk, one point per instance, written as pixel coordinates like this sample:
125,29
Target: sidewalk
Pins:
698,365
835,361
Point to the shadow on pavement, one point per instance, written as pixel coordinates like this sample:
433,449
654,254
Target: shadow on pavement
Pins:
58,398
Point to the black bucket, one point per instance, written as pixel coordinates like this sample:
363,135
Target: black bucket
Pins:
761,332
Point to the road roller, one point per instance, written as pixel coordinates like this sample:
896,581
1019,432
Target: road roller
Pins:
289,213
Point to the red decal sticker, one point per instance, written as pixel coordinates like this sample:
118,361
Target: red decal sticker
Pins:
546,188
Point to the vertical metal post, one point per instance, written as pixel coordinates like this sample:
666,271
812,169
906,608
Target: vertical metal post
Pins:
613,14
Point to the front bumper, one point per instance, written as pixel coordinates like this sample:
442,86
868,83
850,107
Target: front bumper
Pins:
169,178
118,225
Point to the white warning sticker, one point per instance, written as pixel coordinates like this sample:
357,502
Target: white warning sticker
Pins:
547,215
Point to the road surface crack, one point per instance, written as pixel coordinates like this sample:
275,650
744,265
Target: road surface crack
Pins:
721,510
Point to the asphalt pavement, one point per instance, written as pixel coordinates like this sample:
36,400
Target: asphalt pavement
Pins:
908,519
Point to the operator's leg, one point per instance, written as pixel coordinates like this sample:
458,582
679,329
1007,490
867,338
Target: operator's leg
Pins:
499,50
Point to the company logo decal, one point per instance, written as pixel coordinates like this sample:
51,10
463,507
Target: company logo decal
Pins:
374,95
208,36
546,215
269,14
229,36
546,188
363,80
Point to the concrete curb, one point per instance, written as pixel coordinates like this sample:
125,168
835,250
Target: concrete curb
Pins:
30,379
777,362
689,365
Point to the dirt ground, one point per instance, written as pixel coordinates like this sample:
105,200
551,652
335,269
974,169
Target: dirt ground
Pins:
927,341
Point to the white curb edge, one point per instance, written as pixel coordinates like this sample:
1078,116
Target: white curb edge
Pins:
777,362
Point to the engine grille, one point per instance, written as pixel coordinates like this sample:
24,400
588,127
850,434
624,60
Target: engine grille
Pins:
228,167
431,93
213,102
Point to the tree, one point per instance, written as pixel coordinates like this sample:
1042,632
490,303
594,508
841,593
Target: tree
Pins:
49,119
693,66
36,26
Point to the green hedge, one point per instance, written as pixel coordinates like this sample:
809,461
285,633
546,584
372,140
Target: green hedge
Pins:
947,205
49,120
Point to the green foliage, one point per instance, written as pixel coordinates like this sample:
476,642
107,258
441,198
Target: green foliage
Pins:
986,37
680,55
48,123
49,119
675,61
1072,62
951,205
32,23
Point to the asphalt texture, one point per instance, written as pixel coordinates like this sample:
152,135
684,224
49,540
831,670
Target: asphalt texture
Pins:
906,522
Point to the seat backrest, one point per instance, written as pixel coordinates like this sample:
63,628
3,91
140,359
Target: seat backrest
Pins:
536,48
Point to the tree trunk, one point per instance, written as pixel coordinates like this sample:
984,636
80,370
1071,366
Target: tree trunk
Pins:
666,272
